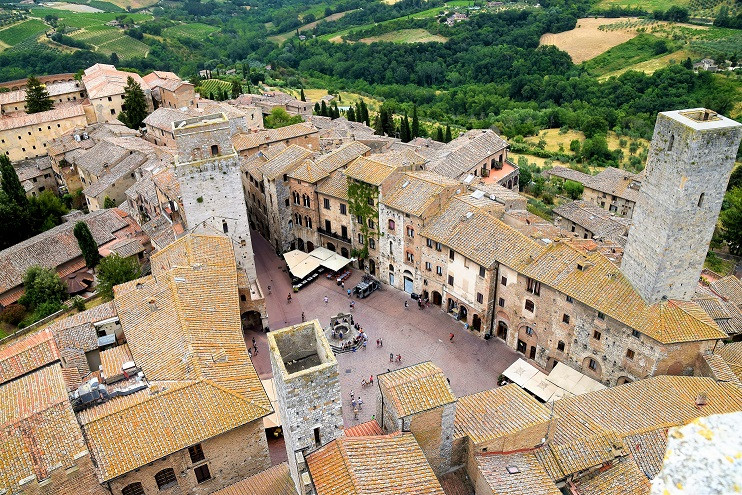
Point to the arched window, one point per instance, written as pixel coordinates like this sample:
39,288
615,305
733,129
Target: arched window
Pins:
165,479
133,489
391,267
214,150
225,227
308,222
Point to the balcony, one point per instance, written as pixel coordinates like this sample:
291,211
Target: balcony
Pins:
334,235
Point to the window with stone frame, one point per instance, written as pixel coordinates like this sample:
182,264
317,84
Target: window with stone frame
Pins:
592,364
560,346
630,353
428,266
202,473
372,244
480,297
196,453
133,489
438,270
635,333
165,479
326,203
533,286
530,306
482,271
410,232
501,302
391,224
570,300
450,280
597,335
429,243
565,318
410,257
529,331
343,209
504,280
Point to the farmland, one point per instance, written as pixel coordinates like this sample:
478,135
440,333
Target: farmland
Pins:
587,40
193,30
212,86
407,36
280,38
16,33
108,40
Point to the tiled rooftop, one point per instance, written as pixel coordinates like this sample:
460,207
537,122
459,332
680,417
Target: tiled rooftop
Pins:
416,388
498,412
623,478
413,192
336,185
464,153
60,113
529,478
285,162
26,354
103,80
377,465
246,141
273,481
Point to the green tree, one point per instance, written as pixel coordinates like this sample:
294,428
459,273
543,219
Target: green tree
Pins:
351,114
448,134
134,108
115,270
108,203
574,146
735,180
46,210
439,134
323,109
731,220
87,244
37,97
114,58
236,89
573,189
301,95
42,285
279,117
525,177
11,184
406,134
317,109
364,117
415,123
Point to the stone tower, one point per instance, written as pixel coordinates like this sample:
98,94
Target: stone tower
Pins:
208,171
305,373
690,159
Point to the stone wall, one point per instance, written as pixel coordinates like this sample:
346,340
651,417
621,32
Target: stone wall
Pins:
21,143
79,479
306,230
230,457
614,204
687,171
280,216
337,220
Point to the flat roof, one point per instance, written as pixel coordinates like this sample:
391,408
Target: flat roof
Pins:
701,119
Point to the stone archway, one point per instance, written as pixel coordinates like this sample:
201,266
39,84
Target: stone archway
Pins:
502,330
251,322
310,246
476,323
331,246
623,380
372,267
528,339
437,298
463,313
591,367
300,243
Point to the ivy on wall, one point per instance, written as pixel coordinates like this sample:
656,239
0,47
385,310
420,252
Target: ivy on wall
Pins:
362,204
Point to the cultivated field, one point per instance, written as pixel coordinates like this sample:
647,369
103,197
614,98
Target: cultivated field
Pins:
194,30
212,86
650,5
407,36
12,35
587,41
108,40
280,38
348,98
654,64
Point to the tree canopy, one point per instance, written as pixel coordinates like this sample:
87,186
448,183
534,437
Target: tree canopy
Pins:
87,244
114,270
134,108
37,97
279,117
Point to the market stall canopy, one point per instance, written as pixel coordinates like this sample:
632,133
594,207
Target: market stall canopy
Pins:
302,264
572,380
520,372
563,381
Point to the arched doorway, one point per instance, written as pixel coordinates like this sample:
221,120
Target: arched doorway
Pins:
451,305
623,380
437,298
310,246
407,276
300,243
331,246
463,313
251,322
344,252
527,341
476,323
372,267
502,330
591,366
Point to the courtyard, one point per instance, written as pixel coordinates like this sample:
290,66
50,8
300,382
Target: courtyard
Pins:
470,363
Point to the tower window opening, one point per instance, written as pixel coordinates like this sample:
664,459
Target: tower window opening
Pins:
700,199
225,228
214,150
672,141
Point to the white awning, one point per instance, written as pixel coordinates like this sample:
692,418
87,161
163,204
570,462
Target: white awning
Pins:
272,420
541,387
305,267
321,253
293,258
335,262
520,372
572,380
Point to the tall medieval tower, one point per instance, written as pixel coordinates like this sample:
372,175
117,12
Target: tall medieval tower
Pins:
690,159
305,374
208,171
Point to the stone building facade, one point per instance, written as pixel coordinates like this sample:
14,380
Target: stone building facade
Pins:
307,383
25,136
208,171
333,191
690,159
225,459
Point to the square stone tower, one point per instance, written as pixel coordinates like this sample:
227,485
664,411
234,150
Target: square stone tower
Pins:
690,159
208,171
305,373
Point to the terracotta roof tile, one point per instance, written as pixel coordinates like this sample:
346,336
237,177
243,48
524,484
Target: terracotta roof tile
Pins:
416,388
285,162
498,412
367,429
730,288
273,481
336,185
26,354
127,432
247,141
38,430
312,171
103,80
367,169
623,478
464,153
60,113
648,450
413,192
111,361
377,465
530,479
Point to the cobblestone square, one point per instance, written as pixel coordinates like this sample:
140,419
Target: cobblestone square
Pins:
471,364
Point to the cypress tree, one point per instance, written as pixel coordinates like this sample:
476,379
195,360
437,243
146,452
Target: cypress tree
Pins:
301,95
448,133
378,129
358,113
316,108
11,184
415,123
236,89
365,117
323,109
37,97
211,95
249,89
87,244
351,115
134,108
335,110
404,129
439,135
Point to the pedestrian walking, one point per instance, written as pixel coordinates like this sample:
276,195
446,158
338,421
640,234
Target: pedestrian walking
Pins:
302,317
352,396
288,299
381,342
364,344
406,305
348,293
269,290
249,352
355,413
360,403
342,284
253,341
448,380
354,403
450,338
255,352
391,357
399,358
371,380
352,305
326,300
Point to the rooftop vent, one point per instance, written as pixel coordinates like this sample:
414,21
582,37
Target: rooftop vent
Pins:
179,279
701,400
513,469
406,183
477,194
